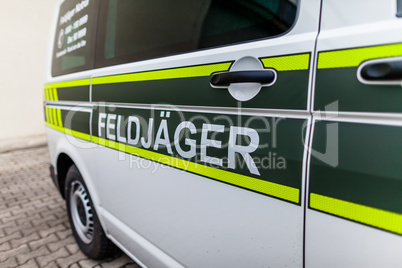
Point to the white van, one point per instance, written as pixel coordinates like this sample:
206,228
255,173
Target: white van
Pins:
243,133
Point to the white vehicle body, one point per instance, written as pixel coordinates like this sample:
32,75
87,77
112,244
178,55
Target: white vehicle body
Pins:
165,209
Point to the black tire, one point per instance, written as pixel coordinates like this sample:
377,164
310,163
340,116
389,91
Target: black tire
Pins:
84,221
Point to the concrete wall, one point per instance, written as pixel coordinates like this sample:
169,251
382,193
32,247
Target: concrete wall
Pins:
24,41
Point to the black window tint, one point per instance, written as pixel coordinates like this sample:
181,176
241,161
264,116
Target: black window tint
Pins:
74,43
132,30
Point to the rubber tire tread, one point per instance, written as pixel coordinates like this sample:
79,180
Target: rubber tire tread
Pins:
100,247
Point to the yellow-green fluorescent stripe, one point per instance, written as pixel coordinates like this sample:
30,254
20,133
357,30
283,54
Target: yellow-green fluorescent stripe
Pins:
183,72
273,189
75,83
288,63
355,56
54,121
55,97
282,63
50,116
73,133
51,119
51,94
47,94
379,218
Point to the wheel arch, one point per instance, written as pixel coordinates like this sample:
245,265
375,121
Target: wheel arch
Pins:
64,162
63,155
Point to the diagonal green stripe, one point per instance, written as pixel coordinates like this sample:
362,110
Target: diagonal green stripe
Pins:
55,118
70,132
47,114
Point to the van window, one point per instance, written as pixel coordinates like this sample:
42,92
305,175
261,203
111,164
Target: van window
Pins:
132,30
75,37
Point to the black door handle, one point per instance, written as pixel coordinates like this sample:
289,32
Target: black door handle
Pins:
257,76
382,71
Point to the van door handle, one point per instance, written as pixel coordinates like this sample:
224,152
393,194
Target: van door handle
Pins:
224,79
382,71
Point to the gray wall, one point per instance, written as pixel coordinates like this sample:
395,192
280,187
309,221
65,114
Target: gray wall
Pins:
25,27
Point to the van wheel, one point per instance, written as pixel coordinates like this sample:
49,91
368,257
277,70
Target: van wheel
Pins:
84,222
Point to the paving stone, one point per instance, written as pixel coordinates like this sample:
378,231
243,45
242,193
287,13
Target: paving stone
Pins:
73,248
119,262
4,215
7,225
55,212
9,237
88,263
9,263
43,220
45,260
22,221
24,240
13,252
64,234
29,264
23,258
57,222
43,241
74,258
5,246
30,210
48,231
50,265
34,228
16,228
69,240
13,218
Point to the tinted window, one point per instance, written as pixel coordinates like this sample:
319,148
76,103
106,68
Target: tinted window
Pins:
75,36
132,30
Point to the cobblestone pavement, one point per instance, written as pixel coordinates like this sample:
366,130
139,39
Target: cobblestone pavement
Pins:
34,229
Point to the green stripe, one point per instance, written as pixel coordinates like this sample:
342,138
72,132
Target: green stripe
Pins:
273,189
355,56
51,119
51,96
379,218
368,171
47,115
47,94
288,63
183,72
56,120
59,117
73,133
